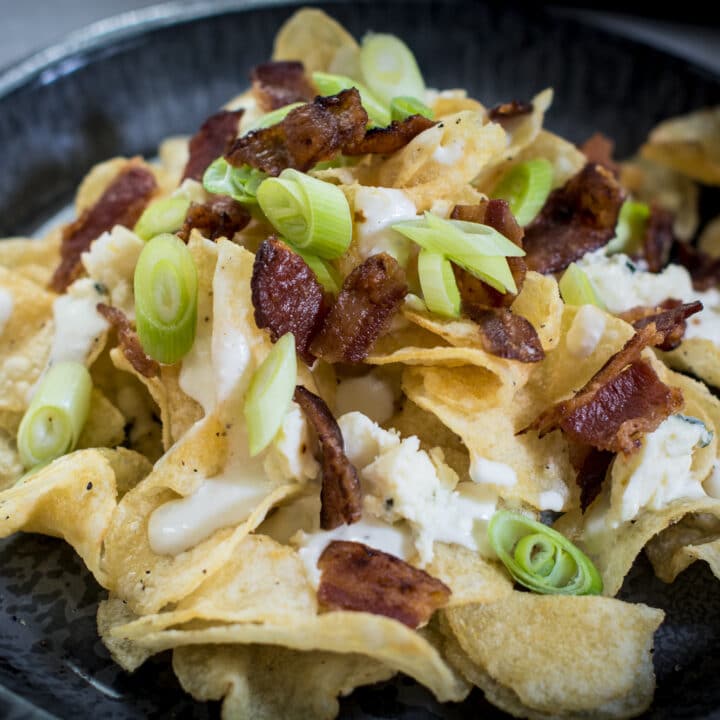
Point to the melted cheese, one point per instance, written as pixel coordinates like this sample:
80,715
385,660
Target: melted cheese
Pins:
489,472
78,325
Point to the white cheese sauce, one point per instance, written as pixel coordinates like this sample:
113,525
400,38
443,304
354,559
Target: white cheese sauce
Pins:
586,331
376,210
391,539
78,325
6,308
622,285
489,472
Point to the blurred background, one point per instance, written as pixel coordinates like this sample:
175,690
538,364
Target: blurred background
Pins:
687,29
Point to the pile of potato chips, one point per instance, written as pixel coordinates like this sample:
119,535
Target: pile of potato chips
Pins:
238,609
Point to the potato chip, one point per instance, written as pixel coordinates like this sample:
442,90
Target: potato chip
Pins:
709,241
35,258
315,38
689,144
105,425
11,469
95,183
542,656
111,613
652,183
173,154
266,682
697,356
695,537
73,498
449,102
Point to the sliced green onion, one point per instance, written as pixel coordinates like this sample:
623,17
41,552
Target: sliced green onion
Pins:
630,228
540,558
526,188
166,215
326,274
240,183
52,424
270,392
389,68
576,288
327,84
273,117
477,248
437,280
312,214
404,107
166,298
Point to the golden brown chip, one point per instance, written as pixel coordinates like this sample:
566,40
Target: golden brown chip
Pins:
689,144
111,613
105,425
542,656
266,682
35,258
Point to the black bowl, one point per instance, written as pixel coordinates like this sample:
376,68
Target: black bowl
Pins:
123,87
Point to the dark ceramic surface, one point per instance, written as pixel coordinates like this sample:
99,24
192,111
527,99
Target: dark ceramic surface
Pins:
123,93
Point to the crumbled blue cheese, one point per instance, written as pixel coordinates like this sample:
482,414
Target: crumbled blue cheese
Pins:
623,284
661,471
586,330
290,455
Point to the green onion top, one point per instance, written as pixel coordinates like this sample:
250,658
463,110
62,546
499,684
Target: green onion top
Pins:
240,183
270,392
540,558
311,214
166,215
630,229
273,117
56,416
166,289
526,187
377,110
437,281
576,288
389,67
405,107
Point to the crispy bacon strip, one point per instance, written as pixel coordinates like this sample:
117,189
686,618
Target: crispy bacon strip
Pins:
279,83
383,141
669,317
508,111
122,203
703,268
340,497
211,141
357,577
129,341
659,238
591,475
287,296
369,297
505,334
309,134
624,400
496,214
598,149
577,218
220,217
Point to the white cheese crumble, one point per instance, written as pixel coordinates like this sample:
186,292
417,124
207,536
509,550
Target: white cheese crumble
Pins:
623,285
290,454
661,471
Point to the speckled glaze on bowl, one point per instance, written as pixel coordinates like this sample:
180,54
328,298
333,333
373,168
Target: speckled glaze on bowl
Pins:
125,85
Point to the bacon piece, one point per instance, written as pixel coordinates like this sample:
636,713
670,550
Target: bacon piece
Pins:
383,141
369,297
287,296
624,400
659,238
508,111
591,474
122,203
309,134
220,217
496,214
669,317
357,577
577,218
505,334
703,268
129,341
340,497
598,149
211,141
279,83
